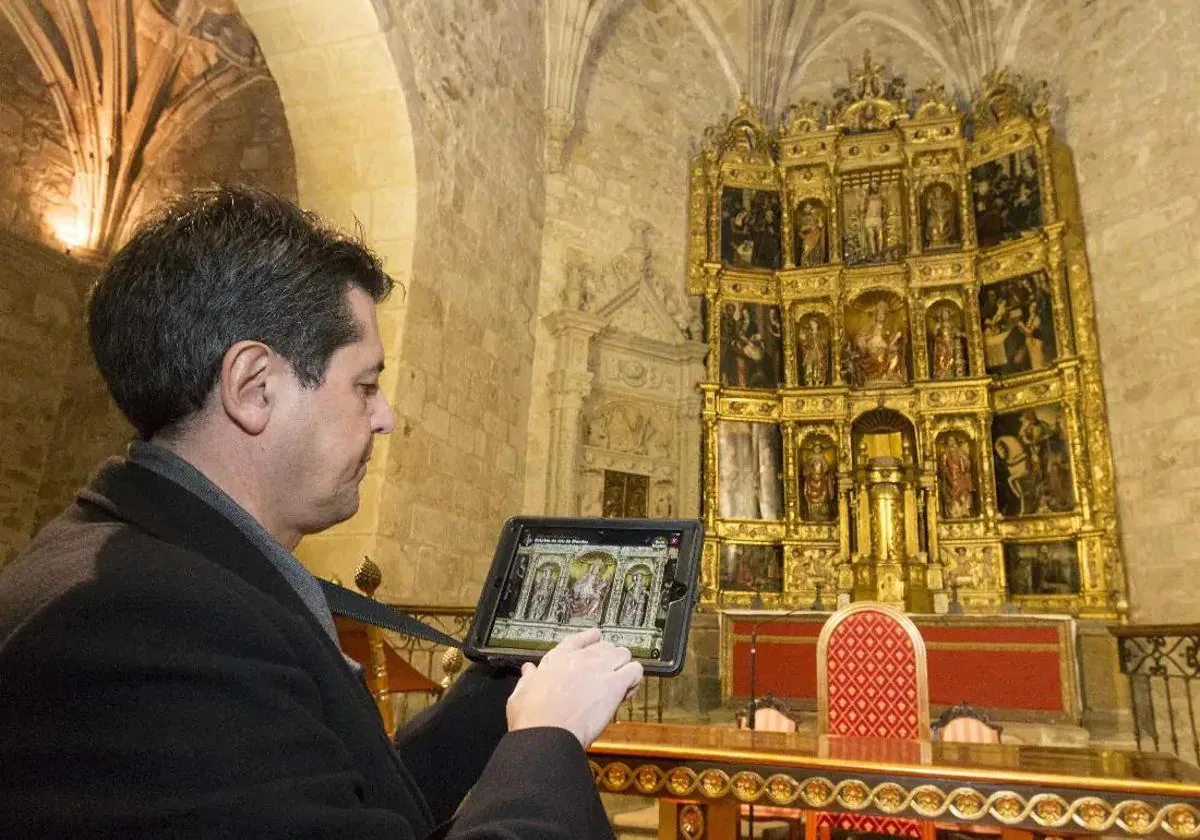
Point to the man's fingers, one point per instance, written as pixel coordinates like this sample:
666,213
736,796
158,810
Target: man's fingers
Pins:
527,668
580,640
630,674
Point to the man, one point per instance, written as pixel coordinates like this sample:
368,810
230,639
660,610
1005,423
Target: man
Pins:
167,667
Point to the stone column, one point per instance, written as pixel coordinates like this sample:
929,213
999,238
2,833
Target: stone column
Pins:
570,383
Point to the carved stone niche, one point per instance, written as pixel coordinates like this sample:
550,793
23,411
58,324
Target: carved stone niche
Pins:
627,436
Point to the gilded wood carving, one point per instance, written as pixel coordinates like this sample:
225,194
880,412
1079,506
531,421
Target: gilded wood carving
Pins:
904,397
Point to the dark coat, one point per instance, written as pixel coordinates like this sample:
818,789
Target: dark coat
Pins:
159,678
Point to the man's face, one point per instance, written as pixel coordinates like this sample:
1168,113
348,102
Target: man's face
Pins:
326,433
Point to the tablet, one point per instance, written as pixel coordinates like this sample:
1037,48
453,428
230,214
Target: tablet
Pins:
635,579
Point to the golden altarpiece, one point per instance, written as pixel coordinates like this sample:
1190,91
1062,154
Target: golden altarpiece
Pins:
903,399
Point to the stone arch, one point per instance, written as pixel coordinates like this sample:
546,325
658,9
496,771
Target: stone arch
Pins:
345,103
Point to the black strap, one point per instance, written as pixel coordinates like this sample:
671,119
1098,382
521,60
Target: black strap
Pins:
343,601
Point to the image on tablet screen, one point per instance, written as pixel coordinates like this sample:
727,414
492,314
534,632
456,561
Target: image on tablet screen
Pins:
564,580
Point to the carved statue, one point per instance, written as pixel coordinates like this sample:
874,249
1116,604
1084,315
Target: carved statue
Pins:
946,360
814,354
818,483
941,229
880,349
586,596
812,248
958,482
635,602
543,590
874,222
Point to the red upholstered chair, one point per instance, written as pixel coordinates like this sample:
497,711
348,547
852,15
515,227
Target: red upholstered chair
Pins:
964,724
871,683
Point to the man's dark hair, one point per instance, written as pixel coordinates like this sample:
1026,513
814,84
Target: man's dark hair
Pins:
211,268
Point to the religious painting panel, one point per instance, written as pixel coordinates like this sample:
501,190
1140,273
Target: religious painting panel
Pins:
946,339
958,481
747,567
875,350
1017,319
810,223
1042,568
818,479
941,225
749,470
814,335
1007,198
750,225
873,217
589,587
1032,462
751,345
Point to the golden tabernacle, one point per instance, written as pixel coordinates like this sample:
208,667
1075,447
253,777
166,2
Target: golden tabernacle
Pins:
903,400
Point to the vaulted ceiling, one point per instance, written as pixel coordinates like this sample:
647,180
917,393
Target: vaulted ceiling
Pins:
764,46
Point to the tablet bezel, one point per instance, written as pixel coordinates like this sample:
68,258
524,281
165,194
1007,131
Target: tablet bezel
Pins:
679,615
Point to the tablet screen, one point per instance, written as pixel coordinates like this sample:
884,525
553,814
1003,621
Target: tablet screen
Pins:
565,579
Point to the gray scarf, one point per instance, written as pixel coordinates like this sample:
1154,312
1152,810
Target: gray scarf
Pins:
171,466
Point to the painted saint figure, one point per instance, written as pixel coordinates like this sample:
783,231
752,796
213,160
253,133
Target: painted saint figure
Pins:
958,484
880,349
635,602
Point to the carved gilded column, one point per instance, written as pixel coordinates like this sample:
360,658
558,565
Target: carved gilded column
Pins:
1045,174
974,331
714,331
791,479
709,413
690,448
570,383
1080,473
1060,297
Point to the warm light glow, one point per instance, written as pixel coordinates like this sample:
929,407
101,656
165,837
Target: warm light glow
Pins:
70,230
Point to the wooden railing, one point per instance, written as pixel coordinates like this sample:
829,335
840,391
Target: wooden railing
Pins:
1162,663
432,660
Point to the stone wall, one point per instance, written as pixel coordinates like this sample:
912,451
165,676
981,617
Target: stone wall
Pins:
41,301
456,461
1127,76
651,88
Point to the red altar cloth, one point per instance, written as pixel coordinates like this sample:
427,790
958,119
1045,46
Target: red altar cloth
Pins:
1017,667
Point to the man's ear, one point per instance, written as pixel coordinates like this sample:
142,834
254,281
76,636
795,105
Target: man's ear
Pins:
246,385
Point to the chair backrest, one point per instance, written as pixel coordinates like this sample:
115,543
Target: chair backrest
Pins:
770,715
871,675
964,724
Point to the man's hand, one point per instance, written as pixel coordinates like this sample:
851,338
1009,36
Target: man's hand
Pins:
578,686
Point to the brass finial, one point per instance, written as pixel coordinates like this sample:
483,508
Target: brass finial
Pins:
368,577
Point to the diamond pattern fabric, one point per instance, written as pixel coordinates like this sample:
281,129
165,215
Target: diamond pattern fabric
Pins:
867,824
872,678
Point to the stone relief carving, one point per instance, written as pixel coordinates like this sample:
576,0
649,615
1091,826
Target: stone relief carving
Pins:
621,427
618,283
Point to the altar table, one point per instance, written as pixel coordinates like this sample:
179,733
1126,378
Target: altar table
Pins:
703,773
1018,667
